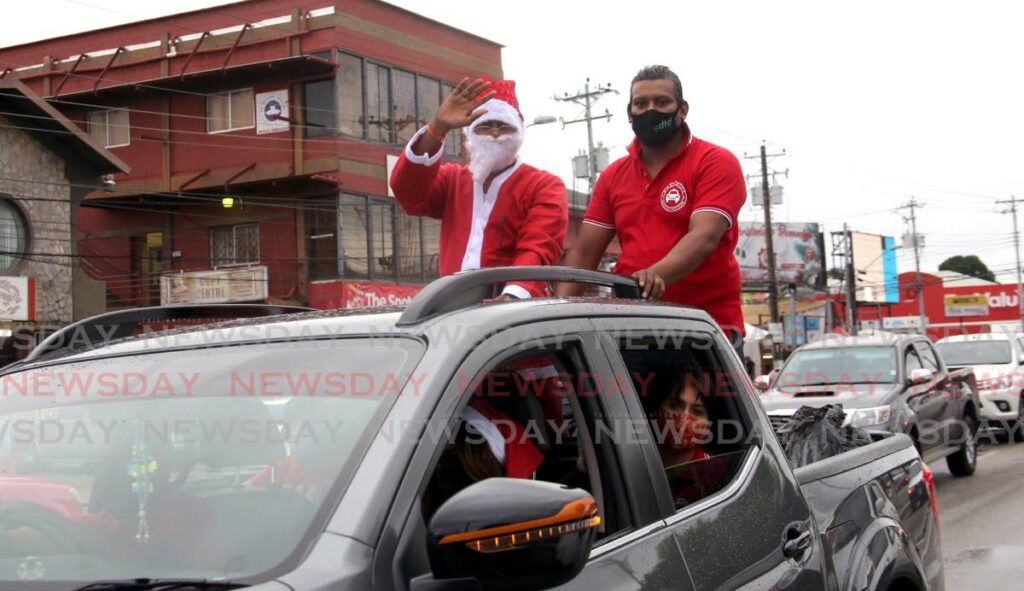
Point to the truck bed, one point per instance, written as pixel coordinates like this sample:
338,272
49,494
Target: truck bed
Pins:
871,499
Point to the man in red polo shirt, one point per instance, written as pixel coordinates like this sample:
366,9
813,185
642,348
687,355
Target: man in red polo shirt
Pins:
673,202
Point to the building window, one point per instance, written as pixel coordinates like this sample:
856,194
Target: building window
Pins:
431,248
318,105
378,103
387,105
382,215
370,238
230,111
452,145
355,236
13,235
322,238
110,127
234,245
403,85
350,95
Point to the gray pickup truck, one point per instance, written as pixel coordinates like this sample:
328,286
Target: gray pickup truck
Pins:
457,443
886,384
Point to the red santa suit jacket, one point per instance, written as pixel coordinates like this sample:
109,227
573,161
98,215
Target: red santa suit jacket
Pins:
520,220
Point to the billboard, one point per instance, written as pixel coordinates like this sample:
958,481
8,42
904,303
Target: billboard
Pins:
798,253
874,267
963,306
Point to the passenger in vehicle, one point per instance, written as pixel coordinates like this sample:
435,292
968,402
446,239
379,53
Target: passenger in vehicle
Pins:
487,444
674,400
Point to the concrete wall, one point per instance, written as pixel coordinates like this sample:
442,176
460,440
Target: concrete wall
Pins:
42,194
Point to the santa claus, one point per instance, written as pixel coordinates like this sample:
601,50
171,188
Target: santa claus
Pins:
495,211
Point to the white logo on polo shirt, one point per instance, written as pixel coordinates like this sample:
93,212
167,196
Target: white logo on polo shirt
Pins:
673,198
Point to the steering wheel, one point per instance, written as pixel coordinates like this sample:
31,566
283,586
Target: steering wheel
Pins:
63,534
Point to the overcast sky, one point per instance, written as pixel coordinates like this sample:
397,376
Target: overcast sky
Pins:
872,102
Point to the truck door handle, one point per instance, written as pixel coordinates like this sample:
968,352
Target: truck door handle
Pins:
797,542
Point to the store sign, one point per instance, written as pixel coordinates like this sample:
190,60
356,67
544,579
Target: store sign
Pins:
17,298
330,295
901,323
247,284
272,111
966,306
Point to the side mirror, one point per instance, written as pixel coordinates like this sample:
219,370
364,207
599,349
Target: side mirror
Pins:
762,383
921,376
513,534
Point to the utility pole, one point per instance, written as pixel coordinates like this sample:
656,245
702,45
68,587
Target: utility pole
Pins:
773,287
586,100
851,282
1013,201
912,205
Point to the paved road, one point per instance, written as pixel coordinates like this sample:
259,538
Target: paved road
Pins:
982,521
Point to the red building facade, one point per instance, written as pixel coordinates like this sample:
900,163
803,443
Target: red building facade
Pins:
1003,307
289,111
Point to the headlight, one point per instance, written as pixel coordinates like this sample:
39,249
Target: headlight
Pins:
1003,381
869,417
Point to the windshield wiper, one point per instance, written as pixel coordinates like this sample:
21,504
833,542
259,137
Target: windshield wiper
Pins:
161,585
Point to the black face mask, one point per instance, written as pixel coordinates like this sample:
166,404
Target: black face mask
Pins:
654,128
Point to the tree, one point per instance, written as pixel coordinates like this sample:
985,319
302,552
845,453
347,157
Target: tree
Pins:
837,274
968,265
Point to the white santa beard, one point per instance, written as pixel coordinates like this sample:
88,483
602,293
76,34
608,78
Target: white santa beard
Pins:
488,154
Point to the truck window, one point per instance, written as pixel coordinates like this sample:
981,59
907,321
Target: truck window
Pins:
534,415
691,407
912,361
928,356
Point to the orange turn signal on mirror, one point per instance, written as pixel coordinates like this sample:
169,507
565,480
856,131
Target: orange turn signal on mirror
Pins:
507,542
578,511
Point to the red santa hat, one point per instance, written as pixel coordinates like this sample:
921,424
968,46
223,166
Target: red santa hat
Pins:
506,438
503,107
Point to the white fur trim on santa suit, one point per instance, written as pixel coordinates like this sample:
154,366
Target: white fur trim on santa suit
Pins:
494,438
497,111
516,290
422,159
483,204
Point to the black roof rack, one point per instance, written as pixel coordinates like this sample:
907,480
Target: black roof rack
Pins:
469,288
104,328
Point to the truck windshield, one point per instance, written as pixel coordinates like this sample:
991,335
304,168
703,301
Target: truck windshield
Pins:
203,464
976,353
849,365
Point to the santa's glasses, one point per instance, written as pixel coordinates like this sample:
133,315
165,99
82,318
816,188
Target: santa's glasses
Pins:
489,127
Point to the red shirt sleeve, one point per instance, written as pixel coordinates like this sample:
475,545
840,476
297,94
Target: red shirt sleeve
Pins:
599,212
542,237
421,188
720,185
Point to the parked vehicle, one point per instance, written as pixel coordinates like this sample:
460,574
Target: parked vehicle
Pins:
886,384
459,443
996,360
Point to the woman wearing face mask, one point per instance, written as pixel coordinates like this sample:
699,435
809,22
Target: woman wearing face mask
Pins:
674,399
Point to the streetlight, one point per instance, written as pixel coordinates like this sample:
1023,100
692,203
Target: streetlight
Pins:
543,120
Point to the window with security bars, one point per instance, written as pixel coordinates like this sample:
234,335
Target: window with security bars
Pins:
234,245
109,127
13,237
322,238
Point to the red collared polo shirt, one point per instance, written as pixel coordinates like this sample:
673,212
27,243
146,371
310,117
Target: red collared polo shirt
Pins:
651,215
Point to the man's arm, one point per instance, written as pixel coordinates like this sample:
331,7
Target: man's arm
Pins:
591,244
706,230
